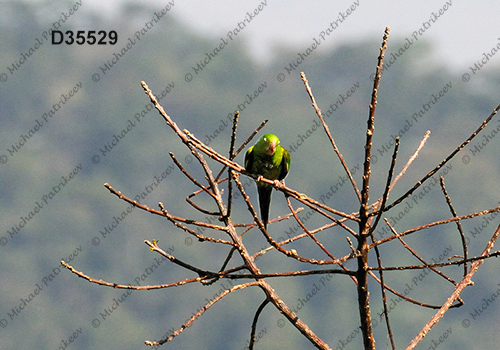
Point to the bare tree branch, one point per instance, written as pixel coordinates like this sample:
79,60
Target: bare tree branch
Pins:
366,221
465,282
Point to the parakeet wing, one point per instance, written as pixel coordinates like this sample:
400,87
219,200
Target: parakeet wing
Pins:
285,165
249,159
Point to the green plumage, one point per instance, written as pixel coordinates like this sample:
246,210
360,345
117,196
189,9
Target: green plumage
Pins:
269,159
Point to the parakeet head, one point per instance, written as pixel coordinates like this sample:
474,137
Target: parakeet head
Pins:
267,144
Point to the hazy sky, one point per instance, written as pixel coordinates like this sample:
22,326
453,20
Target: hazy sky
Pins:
461,34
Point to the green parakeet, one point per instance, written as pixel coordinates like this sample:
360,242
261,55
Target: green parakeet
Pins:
269,159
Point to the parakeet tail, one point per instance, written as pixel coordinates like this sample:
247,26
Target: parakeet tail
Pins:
264,202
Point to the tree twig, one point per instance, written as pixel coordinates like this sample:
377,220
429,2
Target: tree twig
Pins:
465,282
364,227
446,160
327,131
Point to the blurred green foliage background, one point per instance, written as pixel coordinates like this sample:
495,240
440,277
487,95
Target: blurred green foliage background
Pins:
82,223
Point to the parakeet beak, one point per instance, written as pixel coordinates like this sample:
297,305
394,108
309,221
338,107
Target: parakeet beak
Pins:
272,148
